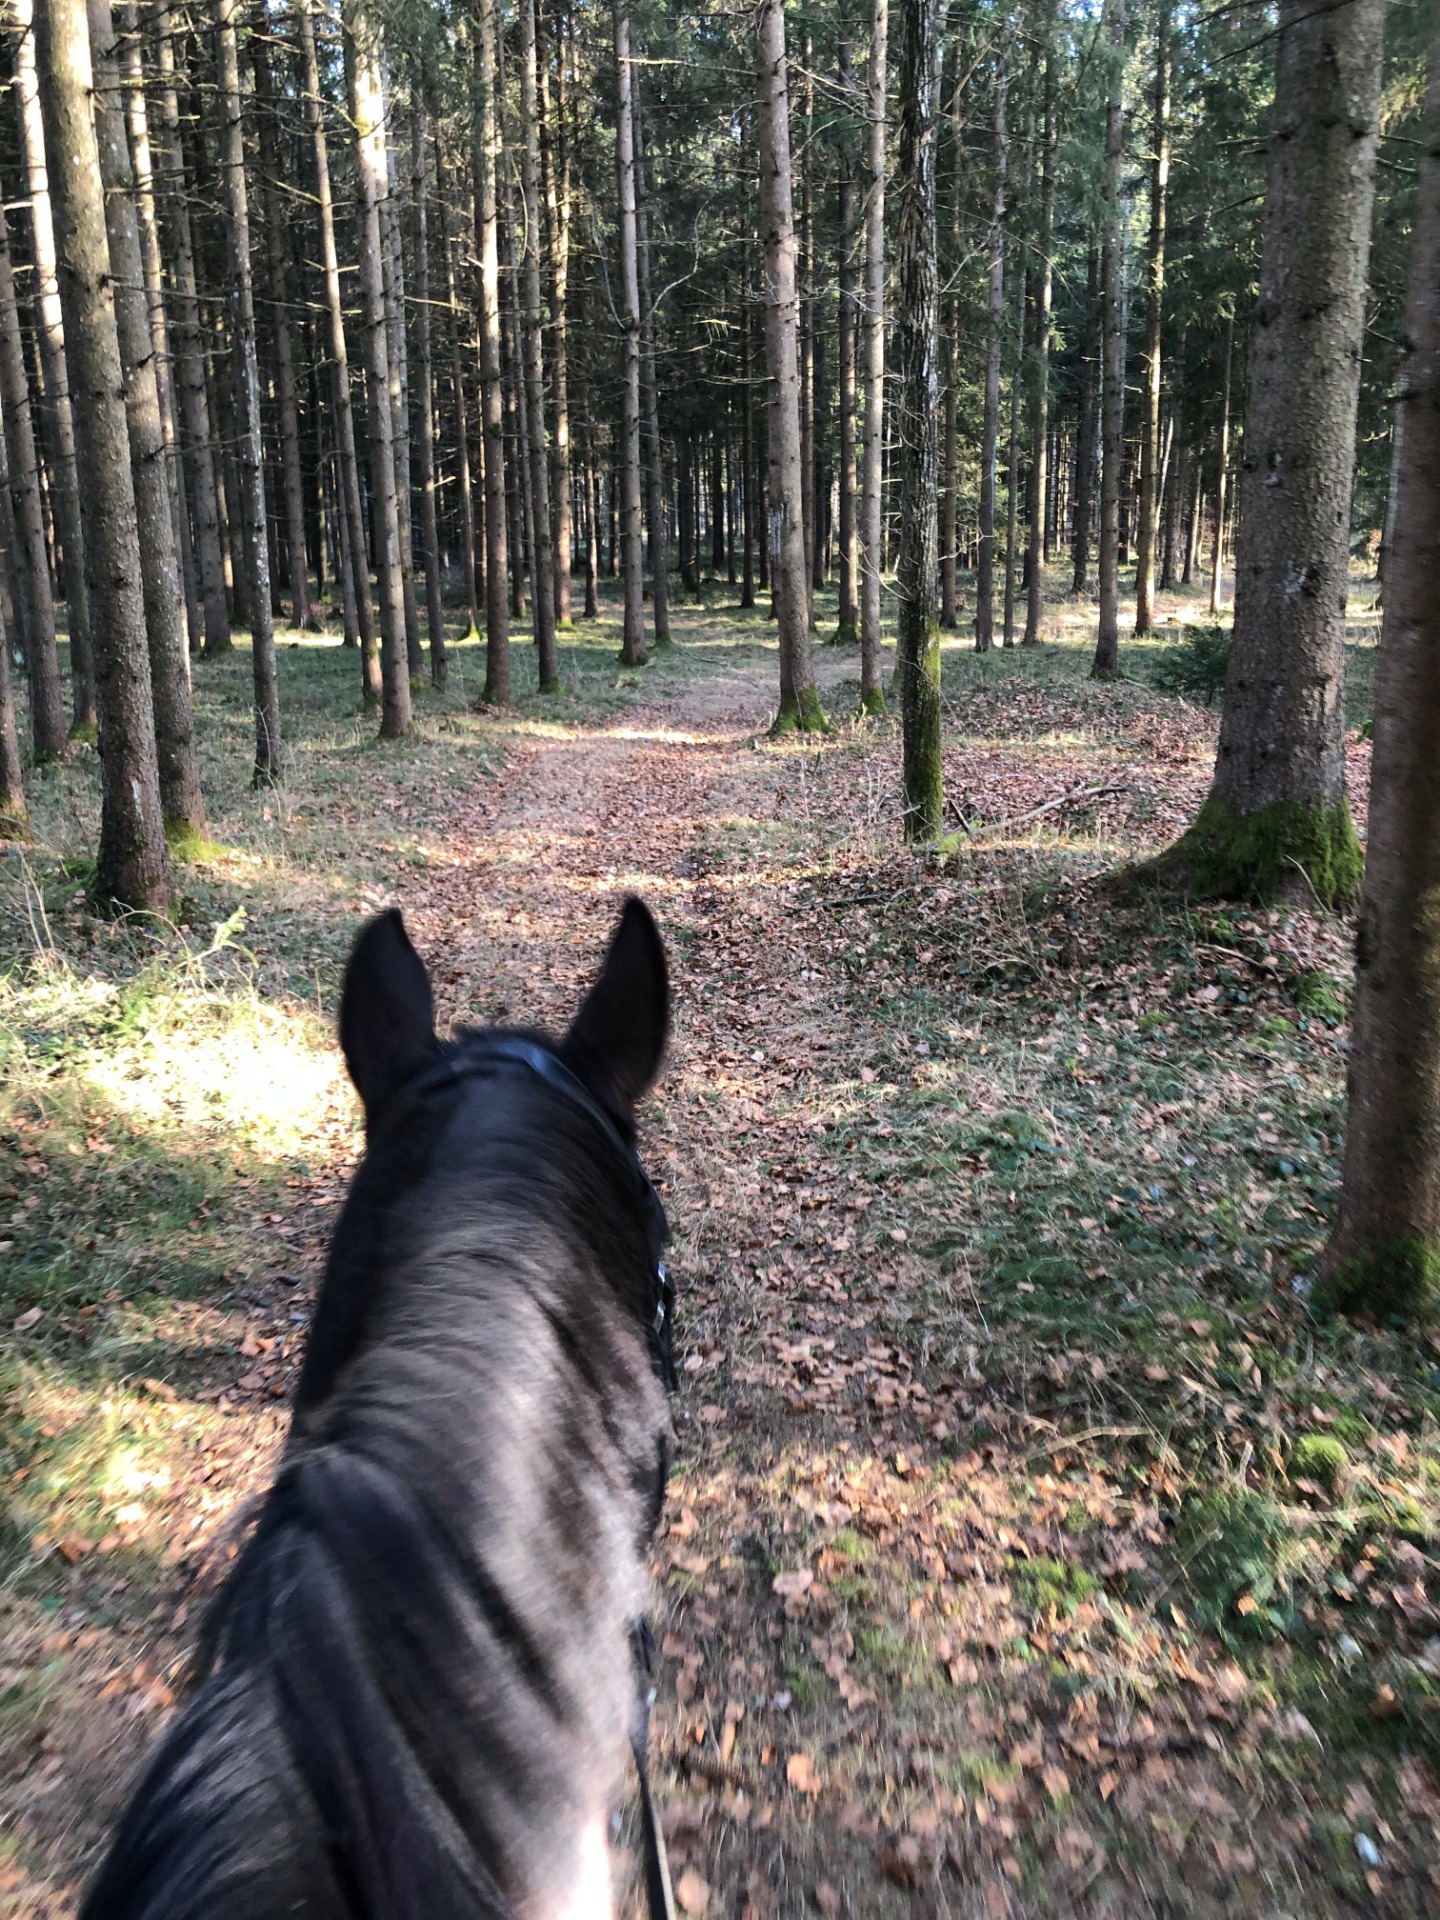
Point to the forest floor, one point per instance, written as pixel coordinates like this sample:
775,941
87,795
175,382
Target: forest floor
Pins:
1031,1548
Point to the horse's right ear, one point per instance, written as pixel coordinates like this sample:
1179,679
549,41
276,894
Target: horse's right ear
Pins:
387,1012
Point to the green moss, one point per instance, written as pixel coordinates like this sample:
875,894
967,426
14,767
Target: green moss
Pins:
846,634
1397,1281
553,686
1237,1554
86,735
873,702
186,844
801,713
1318,1456
1265,856
1320,994
1058,1585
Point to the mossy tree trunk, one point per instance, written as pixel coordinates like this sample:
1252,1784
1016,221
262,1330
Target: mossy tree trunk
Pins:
133,868
799,700
180,797
1385,1254
1276,823
917,658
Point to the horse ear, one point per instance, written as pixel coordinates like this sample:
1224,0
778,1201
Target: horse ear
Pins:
387,1012
617,1039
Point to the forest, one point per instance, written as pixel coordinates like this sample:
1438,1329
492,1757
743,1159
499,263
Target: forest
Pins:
944,502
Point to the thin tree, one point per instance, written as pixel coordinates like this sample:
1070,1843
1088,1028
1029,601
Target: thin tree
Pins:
429,520
632,650
799,701
532,318
1146,517
180,798
34,604
392,283
555,168
1041,480
133,868
1222,474
351,509
990,425
367,113
917,647
872,361
650,394
14,817
1084,489
1106,664
1277,823
249,448
847,629
199,447
1385,1253
488,160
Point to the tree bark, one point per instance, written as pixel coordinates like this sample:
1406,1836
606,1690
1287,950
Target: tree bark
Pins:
555,162
59,419
351,506
469,532
847,630
1106,664
799,700
30,563
1084,488
392,280
1040,480
1154,313
1222,469
287,404
1385,1253
133,869
14,818
650,396
917,650
872,339
1012,451
531,310
990,426
367,113
492,373
180,799
633,649
249,449
429,523
199,450
1277,823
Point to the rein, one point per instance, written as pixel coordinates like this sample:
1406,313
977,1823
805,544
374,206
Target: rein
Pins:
498,1053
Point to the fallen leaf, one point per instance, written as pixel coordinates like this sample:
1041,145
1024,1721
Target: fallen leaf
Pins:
800,1772
792,1586
28,1319
692,1892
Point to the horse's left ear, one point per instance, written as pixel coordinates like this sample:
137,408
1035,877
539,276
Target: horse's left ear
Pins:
387,1012
617,1039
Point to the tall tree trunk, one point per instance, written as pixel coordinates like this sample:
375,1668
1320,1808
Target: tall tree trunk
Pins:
30,563
847,630
1041,486
469,533
592,514
1222,466
799,701
392,266
351,505
179,771
14,818
429,524
492,372
133,868
250,452
1084,488
1106,664
542,583
143,167
555,156
1012,451
917,650
1385,1254
1277,823
990,427
287,403
199,450
367,113
872,337
1154,313
805,320
749,478
650,397
59,421
633,648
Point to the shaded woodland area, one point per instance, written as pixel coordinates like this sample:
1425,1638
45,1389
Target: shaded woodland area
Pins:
948,501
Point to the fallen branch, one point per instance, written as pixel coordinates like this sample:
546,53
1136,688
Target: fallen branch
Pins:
1052,806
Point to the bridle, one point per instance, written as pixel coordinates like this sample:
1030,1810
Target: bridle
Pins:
482,1056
